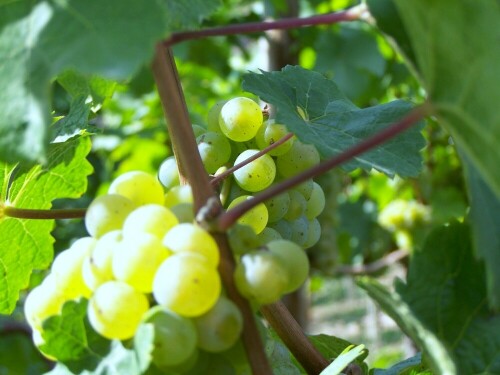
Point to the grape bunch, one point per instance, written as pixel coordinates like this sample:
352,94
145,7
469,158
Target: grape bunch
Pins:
146,261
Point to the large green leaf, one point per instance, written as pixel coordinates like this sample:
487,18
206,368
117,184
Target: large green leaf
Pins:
26,245
445,299
317,112
188,14
455,50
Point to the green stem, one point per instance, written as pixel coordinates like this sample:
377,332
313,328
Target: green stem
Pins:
26,213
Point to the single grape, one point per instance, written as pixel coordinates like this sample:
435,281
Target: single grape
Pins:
256,175
137,260
240,119
305,188
261,277
213,116
300,230
192,237
214,149
268,235
316,202
184,212
299,158
277,206
220,327
297,205
115,310
294,259
175,337
255,218
269,133
107,213
187,284
284,228
313,234
178,195
154,219
242,238
67,268
140,187
168,173
198,130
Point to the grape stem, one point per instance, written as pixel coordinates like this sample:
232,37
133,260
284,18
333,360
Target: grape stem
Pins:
364,269
227,219
358,12
26,213
186,152
217,179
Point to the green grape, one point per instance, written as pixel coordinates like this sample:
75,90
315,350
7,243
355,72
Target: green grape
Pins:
283,227
184,212
316,202
305,188
67,268
298,159
187,283
240,119
295,261
107,213
214,150
198,130
313,234
137,260
213,116
269,133
192,237
140,187
154,219
96,268
268,235
115,310
220,327
277,206
242,238
168,173
255,218
260,277
175,337
178,195
300,230
256,175
44,301
297,205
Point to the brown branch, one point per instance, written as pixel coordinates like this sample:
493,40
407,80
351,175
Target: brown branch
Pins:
181,133
26,213
228,218
355,13
364,269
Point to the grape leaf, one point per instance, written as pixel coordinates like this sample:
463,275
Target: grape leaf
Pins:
455,50
27,244
414,362
343,360
446,312
180,14
77,84
75,123
315,110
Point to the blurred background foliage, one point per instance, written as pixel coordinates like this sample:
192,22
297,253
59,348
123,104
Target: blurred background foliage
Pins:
368,215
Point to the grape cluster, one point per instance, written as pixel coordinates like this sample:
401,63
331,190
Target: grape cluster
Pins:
146,261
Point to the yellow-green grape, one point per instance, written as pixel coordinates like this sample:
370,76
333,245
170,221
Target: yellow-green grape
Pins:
242,239
277,206
44,301
316,202
214,149
184,212
213,116
107,213
168,173
192,237
402,214
240,119
115,310
256,175
154,219
137,260
220,327
268,235
187,283
67,268
297,206
305,188
175,337
300,230
178,195
284,228
140,187
255,218
198,130
269,133
260,277
313,234
299,158
96,269
294,259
